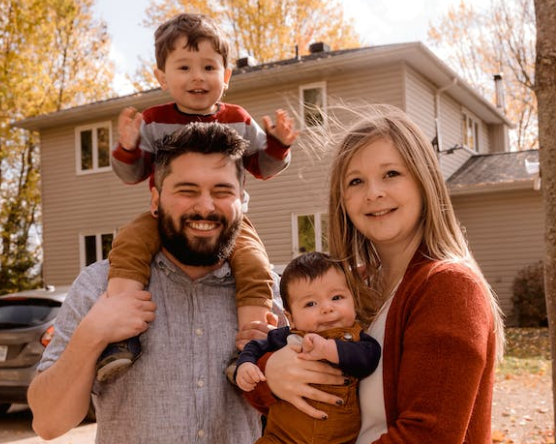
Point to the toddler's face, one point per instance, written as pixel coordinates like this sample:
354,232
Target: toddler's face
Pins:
321,304
196,80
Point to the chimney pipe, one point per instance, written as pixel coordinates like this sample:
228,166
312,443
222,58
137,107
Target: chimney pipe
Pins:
499,90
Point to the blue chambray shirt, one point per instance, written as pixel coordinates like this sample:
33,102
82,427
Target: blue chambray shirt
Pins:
177,391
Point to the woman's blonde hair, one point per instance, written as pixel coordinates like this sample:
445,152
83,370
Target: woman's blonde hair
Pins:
443,236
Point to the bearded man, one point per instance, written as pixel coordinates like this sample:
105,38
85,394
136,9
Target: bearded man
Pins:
177,391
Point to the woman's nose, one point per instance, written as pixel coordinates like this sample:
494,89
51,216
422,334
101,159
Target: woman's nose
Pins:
374,190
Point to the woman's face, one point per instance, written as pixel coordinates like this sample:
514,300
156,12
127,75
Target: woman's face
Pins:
382,198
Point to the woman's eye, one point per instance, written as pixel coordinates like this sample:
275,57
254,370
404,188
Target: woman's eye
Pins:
354,182
392,173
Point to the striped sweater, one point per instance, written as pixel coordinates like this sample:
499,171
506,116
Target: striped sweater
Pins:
264,158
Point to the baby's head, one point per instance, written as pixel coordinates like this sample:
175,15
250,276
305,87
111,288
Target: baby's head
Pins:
315,294
195,28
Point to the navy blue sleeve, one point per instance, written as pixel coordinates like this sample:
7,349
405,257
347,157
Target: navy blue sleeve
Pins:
360,358
256,348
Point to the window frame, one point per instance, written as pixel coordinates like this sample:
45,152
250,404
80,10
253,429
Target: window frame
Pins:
318,227
302,106
93,127
98,246
467,119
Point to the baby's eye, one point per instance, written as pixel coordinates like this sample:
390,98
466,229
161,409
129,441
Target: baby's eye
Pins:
337,297
310,304
210,68
184,68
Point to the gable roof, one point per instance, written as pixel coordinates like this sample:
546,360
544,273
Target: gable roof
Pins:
490,172
297,69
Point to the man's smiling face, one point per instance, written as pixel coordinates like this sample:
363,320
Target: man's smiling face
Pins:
199,208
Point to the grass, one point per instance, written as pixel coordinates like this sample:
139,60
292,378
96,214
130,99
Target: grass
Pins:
527,351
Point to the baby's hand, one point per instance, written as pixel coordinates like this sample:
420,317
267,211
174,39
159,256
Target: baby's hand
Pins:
284,130
316,348
248,376
129,123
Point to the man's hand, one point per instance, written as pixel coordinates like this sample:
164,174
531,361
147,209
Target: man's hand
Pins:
129,123
248,376
284,129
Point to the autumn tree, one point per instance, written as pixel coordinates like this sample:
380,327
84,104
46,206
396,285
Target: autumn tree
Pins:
497,40
267,30
53,55
545,89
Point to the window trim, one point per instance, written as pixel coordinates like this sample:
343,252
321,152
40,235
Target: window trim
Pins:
93,126
476,122
302,88
318,215
98,245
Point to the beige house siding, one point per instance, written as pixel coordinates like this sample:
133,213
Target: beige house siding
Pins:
505,232
420,101
75,205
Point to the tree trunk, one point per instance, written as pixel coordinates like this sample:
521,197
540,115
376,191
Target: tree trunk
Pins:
545,89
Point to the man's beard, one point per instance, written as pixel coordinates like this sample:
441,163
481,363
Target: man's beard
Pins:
197,251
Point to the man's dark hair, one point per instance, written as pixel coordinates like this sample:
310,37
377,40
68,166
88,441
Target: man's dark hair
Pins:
308,266
195,28
203,138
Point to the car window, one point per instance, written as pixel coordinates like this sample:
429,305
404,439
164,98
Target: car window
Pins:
26,313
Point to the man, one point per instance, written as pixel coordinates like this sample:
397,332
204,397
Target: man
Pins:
177,391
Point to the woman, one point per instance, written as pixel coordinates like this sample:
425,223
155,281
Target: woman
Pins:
427,302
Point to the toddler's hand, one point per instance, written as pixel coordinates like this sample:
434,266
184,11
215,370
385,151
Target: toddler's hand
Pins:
248,376
284,130
129,123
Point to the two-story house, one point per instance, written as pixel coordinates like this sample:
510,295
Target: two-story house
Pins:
84,203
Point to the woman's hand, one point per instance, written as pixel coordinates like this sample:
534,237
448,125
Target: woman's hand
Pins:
289,377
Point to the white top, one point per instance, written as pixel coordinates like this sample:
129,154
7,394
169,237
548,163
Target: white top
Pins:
371,388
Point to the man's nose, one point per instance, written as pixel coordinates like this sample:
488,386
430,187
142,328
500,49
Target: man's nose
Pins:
204,204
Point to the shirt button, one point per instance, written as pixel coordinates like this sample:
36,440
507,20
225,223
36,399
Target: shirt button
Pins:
201,433
200,383
199,332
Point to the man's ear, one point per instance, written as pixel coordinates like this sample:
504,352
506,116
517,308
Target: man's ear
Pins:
155,200
161,77
227,77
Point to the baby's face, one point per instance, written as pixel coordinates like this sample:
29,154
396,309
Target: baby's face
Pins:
321,304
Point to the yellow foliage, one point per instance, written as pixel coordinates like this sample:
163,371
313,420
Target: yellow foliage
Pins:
267,30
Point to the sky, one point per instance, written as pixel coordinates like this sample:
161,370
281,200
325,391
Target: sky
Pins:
379,22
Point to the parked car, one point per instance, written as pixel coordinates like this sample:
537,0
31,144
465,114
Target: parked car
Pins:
26,328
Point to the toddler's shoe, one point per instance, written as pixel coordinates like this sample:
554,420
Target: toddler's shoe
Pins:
117,358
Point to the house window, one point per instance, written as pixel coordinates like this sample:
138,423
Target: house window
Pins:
93,147
470,131
310,232
95,247
313,104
